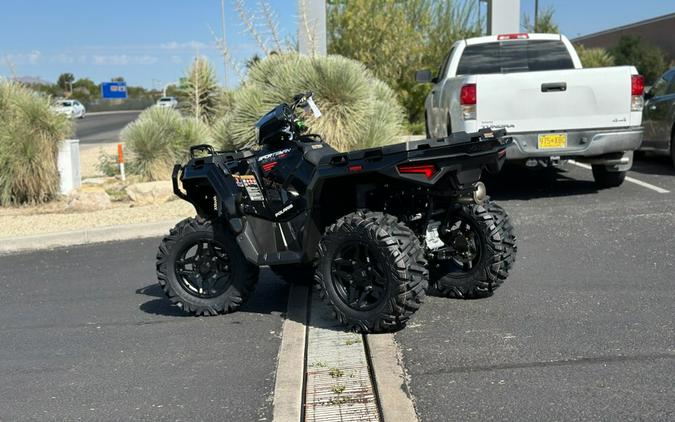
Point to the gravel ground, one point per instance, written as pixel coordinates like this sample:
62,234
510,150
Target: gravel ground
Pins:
89,155
50,218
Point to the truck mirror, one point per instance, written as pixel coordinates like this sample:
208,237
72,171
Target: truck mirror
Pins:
423,76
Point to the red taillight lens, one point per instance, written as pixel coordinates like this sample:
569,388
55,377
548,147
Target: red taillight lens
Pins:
428,170
521,36
637,85
467,95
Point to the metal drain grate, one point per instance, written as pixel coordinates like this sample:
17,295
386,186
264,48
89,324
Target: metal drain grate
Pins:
338,385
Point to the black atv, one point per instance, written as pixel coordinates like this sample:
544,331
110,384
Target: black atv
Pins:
369,226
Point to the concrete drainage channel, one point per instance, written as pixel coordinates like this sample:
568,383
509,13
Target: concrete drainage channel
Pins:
325,373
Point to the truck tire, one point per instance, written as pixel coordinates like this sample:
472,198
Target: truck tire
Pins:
371,271
607,179
302,274
202,270
484,236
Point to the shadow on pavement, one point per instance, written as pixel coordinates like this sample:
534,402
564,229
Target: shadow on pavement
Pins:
518,182
654,164
270,296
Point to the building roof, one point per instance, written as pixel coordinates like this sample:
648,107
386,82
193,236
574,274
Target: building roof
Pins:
625,27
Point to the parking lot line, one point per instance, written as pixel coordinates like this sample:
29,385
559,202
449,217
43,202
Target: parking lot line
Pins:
628,179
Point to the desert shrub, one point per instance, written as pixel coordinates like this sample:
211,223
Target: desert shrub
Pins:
30,134
158,139
358,109
594,57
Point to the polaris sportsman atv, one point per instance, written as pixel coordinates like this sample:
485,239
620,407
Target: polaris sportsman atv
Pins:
369,225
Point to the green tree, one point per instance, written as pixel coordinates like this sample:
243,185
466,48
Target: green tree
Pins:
545,23
649,60
65,81
594,57
393,38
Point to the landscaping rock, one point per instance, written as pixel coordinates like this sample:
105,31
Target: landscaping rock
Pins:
150,192
88,198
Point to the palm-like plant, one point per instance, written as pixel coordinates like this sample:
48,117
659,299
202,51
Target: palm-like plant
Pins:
30,134
358,109
201,90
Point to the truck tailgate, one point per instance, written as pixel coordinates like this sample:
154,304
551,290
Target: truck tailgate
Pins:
555,100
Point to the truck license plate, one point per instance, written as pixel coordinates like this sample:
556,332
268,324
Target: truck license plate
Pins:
553,140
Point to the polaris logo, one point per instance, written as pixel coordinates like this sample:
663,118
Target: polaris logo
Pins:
283,210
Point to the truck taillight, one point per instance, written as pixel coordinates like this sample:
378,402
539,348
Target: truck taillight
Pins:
637,88
428,170
467,100
521,36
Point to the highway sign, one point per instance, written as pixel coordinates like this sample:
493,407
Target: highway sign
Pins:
114,90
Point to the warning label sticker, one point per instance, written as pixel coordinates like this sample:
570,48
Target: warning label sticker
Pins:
251,185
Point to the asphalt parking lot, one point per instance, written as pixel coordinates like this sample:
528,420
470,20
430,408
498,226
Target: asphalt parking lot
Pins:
582,330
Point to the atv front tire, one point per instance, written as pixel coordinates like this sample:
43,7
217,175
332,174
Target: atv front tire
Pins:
371,271
202,270
489,254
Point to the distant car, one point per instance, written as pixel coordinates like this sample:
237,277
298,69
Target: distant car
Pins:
168,102
658,116
71,108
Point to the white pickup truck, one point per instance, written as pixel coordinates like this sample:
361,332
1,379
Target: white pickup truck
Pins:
533,86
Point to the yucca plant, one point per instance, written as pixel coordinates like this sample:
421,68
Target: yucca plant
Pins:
594,57
30,134
358,109
159,138
201,93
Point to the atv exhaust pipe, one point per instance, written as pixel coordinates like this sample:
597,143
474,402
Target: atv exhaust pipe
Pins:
478,196
480,193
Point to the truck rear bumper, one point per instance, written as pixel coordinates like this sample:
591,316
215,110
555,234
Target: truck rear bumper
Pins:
580,143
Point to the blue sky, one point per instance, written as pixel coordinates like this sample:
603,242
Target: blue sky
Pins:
151,42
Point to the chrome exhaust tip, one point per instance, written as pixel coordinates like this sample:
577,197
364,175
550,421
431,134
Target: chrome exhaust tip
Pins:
480,193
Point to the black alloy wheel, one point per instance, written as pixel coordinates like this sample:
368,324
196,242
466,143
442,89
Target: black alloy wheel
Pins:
359,276
203,268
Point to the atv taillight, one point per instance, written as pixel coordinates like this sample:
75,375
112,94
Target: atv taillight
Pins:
428,170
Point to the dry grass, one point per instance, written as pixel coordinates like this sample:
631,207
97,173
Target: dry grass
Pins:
30,134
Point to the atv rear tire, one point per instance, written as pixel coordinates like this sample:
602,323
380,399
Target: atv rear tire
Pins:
202,270
302,274
371,271
490,262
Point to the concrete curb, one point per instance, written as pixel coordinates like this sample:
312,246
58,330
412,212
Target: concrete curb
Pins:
81,237
289,383
390,379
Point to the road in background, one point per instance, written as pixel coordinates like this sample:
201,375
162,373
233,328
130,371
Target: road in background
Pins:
583,328
87,335
104,127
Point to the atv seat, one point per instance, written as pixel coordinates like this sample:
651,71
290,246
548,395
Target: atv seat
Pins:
315,151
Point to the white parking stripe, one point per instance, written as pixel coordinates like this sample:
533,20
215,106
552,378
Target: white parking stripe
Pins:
628,179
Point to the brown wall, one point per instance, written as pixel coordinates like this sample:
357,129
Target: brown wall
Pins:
660,33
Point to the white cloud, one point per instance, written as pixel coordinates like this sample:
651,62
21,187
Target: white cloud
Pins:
25,58
188,45
123,59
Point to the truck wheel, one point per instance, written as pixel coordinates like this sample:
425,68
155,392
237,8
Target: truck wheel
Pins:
202,270
372,271
607,179
482,250
295,273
